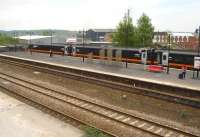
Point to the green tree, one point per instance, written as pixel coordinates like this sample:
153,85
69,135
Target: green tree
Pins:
5,40
46,33
145,31
124,36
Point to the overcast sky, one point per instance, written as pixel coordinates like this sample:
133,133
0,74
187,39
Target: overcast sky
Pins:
174,15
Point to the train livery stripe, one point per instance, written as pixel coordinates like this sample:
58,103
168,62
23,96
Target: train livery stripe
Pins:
132,60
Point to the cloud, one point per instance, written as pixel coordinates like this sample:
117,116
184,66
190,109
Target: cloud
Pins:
79,14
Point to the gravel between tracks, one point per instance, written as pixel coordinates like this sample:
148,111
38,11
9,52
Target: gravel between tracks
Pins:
162,111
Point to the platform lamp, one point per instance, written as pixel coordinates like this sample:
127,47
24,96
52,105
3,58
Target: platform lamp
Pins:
30,33
198,48
30,41
51,43
15,40
83,37
83,42
198,33
169,44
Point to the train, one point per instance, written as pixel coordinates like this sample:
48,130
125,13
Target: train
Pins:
177,58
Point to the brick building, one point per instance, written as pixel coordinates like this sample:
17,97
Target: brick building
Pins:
181,40
99,34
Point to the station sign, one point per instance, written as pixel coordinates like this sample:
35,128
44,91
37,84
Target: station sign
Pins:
197,62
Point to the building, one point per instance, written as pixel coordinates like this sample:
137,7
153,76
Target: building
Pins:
99,34
179,40
28,39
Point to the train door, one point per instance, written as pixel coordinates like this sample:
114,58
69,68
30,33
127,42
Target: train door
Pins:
165,58
66,50
144,57
159,57
74,51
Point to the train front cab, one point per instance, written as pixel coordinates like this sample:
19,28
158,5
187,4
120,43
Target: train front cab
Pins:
148,56
162,58
153,57
144,57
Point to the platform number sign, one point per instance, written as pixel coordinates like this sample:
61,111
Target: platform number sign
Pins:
197,62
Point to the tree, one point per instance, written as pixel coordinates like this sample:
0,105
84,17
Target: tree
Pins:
124,36
5,40
145,31
46,33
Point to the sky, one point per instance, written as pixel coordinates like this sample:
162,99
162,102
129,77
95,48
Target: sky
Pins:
170,15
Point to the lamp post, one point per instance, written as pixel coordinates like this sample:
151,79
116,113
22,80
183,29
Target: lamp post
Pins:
83,38
30,43
51,43
83,42
199,42
30,38
15,40
198,49
169,43
127,34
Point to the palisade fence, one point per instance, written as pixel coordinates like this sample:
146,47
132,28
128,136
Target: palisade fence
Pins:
12,48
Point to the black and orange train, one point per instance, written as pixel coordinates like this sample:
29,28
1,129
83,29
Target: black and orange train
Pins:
177,58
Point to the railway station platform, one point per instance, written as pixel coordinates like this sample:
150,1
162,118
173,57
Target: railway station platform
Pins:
18,119
135,71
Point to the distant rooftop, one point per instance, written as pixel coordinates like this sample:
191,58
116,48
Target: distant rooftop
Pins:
28,37
103,30
182,34
178,34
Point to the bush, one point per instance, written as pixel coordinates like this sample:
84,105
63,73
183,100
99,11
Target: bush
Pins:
92,132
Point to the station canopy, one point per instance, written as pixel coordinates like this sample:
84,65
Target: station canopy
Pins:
28,37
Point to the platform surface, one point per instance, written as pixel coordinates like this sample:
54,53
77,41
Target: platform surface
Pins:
135,71
21,120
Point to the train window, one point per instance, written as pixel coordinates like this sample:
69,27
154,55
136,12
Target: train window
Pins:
137,55
164,57
144,56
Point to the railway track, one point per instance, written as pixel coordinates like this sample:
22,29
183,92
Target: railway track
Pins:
86,106
173,94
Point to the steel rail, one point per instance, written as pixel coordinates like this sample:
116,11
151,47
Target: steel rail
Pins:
99,105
